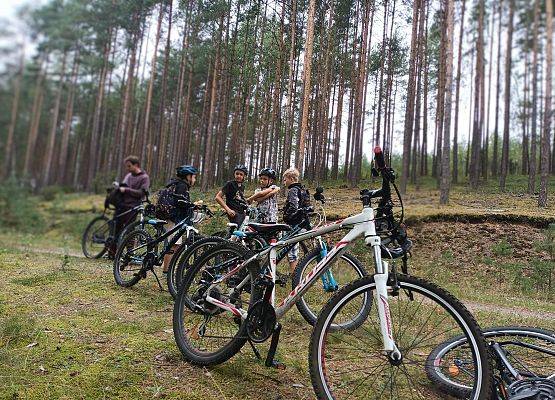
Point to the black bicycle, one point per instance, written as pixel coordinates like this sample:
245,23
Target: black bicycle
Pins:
139,252
523,360
99,234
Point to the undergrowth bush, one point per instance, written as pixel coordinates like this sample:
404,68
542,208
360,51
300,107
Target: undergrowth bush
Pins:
18,210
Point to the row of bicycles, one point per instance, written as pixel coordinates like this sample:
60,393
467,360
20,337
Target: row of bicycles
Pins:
377,331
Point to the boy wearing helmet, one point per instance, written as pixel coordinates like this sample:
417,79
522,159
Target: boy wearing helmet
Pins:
234,203
186,176
266,196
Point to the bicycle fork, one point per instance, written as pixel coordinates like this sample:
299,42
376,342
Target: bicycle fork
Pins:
381,299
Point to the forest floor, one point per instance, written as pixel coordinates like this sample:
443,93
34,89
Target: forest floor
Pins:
67,331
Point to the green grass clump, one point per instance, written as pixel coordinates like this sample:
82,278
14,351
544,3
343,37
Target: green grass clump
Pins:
18,210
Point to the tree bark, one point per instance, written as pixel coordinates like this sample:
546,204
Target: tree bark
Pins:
9,155
545,142
445,178
49,151
299,159
533,132
506,124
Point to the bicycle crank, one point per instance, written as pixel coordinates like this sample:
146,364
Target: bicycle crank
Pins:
261,321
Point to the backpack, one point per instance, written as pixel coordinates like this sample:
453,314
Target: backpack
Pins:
304,197
113,198
166,206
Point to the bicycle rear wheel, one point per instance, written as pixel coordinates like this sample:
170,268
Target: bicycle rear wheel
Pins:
344,270
350,363
95,237
129,258
184,258
205,333
522,346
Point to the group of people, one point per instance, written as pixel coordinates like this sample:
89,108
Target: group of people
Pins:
231,197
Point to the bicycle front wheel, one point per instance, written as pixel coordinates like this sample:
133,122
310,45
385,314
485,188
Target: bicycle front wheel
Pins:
351,363
531,351
205,333
95,237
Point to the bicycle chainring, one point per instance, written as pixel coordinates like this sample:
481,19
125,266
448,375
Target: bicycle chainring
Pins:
532,389
261,321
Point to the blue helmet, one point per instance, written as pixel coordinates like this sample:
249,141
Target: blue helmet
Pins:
185,170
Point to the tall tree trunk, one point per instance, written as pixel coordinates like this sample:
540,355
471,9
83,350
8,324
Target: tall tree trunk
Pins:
9,155
495,161
445,178
299,159
62,159
478,93
49,151
146,136
533,133
506,124
35,118
409,112
457,96
545,142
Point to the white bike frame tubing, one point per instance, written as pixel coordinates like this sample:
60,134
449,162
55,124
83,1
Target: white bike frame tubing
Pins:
362,224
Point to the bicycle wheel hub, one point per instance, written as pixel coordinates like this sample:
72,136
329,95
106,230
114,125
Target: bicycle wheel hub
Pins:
261,321
532,389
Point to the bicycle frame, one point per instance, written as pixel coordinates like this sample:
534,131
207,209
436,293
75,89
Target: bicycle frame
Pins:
180,229
362,224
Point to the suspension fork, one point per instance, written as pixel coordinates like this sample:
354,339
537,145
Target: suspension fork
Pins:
381,298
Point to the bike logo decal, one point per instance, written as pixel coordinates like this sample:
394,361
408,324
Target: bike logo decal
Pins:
387,315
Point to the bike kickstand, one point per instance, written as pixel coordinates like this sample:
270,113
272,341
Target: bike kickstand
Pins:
157,280
270,362
255,350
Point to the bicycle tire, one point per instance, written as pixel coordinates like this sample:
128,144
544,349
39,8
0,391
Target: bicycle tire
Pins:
434,366
310,314
183,310
323,361
181,261
123,258
88,231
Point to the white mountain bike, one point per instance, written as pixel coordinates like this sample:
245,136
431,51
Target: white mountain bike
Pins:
371,340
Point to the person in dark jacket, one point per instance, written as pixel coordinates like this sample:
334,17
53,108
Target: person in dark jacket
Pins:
234,203
186,176
133,188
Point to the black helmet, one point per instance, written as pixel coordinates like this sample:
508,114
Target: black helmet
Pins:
185,170
241,168
269,172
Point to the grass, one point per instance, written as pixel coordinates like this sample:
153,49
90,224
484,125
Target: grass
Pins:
67,331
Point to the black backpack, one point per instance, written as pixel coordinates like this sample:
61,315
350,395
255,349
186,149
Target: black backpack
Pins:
113,198
166,206
304,197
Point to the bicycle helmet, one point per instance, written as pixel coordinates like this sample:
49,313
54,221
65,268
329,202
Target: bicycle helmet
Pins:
241,168
269,172
185,170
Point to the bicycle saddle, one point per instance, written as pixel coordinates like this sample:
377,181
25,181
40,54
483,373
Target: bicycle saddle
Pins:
269,228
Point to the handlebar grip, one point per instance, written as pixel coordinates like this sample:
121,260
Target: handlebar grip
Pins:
379,158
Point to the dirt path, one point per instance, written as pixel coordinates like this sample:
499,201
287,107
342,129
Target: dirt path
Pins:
55,251
473,307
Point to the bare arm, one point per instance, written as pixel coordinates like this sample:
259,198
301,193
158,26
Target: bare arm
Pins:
263,195
220,200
